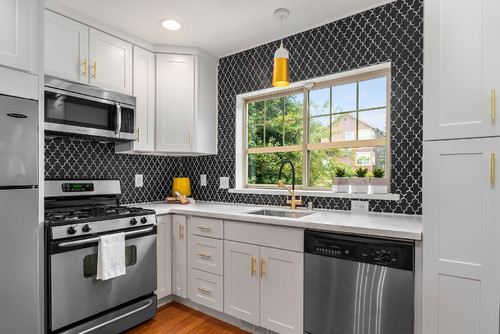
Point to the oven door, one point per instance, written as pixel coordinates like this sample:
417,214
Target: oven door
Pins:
76,294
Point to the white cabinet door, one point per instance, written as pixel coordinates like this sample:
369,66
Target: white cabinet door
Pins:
110,62
282,291
241,281
18,25
175,77
461,68
179,256
460,270
164,257
66,48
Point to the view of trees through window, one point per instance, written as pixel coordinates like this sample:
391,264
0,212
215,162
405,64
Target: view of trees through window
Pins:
336,125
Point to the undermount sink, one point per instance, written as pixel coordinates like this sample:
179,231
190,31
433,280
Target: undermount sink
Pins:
279,213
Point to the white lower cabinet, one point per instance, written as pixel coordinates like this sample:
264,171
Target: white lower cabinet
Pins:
179,256
164,256
263,285
461,274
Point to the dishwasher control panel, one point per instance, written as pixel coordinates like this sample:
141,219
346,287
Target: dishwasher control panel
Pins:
390,253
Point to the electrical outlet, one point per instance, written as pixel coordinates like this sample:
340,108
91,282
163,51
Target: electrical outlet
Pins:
359,206
224,183
203,180
139,180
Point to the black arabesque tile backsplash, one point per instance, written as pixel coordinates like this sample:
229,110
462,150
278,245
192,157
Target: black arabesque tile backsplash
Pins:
389,33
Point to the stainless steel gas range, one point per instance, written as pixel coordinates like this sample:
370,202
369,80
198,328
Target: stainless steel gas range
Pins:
77,214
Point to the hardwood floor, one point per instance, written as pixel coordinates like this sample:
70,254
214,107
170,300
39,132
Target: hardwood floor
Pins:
175,318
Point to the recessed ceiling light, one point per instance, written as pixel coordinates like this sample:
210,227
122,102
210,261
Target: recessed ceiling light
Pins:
170,24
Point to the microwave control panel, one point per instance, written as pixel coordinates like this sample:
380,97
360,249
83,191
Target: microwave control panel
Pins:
127,120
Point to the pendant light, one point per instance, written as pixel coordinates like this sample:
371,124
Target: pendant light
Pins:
281,72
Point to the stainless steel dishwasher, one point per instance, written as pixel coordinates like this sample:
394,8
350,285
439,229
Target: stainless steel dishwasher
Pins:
357,285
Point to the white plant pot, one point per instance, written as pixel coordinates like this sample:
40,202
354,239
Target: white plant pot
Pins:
359,185
341,184
378,185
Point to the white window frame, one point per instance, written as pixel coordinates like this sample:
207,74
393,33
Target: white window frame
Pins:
241,139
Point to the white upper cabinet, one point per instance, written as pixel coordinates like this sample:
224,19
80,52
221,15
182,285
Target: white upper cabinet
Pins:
78,53
175,77
110,62
66,48
144,91
186,104
18,26
461,68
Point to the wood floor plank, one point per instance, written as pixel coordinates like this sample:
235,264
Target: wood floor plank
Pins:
175,318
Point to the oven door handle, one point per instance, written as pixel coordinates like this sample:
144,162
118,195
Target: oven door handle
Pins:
118,318
88,241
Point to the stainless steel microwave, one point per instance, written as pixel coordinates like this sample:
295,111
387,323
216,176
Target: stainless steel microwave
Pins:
76,109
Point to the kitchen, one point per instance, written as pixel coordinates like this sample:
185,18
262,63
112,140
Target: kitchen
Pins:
205,111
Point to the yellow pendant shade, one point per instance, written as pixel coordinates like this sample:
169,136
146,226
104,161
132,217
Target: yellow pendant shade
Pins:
281,73
181,185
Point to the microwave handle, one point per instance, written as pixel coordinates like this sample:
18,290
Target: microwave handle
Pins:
88,241
118,118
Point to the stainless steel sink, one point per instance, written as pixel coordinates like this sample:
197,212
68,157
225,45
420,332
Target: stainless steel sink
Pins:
279,213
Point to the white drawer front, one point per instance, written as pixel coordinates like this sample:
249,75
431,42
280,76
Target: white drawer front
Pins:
207,254
265,235
206,289
207,227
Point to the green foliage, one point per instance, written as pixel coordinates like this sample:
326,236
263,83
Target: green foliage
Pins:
361,172
340,172
378,173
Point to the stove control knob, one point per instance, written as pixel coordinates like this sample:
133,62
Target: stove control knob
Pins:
144,220
72,230
133,221
386,258
86,228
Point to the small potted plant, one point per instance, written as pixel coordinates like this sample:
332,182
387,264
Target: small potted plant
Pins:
378,183
359,183
340,181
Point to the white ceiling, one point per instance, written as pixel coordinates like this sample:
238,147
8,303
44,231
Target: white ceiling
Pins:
221,27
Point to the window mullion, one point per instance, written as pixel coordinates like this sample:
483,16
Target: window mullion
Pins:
305,134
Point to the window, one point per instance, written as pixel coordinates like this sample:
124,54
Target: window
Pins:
340,123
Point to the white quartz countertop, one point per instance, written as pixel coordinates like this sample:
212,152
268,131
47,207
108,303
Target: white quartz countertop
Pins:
372,224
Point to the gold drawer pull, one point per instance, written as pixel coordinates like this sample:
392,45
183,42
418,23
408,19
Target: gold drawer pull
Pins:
253,265
492,104
85,67
95,69
180,232
204,255
205,290
138,135
207,228
261,267
492,176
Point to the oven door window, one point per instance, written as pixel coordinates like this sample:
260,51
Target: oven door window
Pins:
70,110
90,261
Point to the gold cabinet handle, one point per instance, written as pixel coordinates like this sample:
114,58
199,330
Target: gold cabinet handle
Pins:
253,265
85,67
204,228
492,175
492,104
138,135
180,232
205,255
189,137
261,267
205,290
95,70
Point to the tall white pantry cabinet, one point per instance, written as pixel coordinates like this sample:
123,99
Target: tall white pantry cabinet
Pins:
461,276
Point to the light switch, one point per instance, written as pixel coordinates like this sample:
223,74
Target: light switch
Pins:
139,180
359,206
224,183
203,180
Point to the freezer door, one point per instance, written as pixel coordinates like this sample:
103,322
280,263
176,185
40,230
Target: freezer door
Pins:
18,141
19,261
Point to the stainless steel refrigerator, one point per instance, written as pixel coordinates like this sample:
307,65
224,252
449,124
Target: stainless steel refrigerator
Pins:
19,226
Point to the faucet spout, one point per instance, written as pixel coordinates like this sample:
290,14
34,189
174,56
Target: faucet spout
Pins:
293,201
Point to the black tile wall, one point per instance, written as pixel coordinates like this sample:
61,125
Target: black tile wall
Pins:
390,33
74,159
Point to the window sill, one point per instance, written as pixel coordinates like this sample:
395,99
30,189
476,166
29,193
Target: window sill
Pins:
315,193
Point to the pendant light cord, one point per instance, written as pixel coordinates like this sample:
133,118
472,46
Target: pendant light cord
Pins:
281,19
